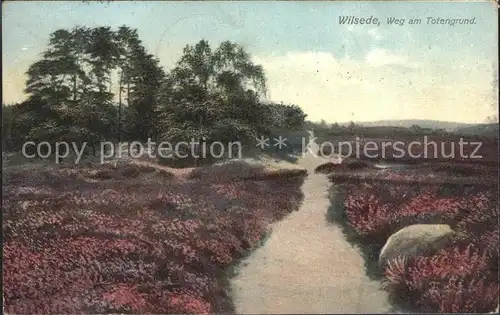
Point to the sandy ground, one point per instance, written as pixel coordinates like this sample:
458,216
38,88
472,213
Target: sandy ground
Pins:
307,266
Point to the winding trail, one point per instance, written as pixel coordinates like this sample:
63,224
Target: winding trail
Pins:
306,265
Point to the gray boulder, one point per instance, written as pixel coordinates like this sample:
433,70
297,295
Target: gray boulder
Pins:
416,240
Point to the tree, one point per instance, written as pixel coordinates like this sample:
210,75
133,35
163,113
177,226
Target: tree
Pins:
147,78
125,38
202,75
196,67
140,78
235,72
416,129
103,56
73,83
214,95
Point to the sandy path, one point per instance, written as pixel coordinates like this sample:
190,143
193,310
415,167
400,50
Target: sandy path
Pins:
307,266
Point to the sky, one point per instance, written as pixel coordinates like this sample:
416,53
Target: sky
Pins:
335,72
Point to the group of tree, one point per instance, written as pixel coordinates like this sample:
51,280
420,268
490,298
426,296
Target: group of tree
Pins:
96,84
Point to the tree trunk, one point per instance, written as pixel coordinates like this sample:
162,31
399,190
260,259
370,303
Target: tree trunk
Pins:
120,108
89,125
74,87
128,94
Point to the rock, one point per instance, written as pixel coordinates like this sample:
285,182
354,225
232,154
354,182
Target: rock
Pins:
416,240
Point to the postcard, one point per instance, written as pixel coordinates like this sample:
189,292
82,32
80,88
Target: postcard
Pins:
250,157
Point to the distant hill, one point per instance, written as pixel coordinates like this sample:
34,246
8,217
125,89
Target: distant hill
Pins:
423,123
490,129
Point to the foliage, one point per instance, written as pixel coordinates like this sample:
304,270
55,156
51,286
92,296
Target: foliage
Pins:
217,95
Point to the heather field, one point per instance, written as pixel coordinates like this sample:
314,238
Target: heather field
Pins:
460,277
127,238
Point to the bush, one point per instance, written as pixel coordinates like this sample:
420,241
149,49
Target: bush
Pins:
458,278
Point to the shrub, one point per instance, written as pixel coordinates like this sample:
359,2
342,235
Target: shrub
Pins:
446,282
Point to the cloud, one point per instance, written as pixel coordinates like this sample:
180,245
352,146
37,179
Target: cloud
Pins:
343,89
372,33
381,57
